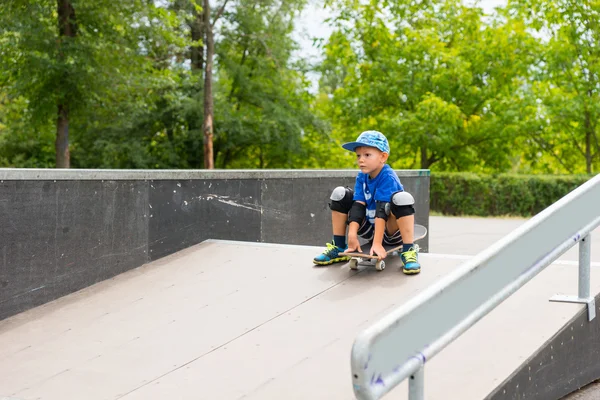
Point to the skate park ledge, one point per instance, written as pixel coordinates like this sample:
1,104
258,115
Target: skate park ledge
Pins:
67,229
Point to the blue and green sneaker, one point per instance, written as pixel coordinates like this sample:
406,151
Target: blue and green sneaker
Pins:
411,262
330,255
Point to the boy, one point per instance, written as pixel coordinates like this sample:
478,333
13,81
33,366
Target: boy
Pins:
378,209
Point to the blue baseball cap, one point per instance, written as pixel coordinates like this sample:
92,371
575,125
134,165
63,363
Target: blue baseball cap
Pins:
369,138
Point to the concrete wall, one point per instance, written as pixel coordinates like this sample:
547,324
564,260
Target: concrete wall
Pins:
63,230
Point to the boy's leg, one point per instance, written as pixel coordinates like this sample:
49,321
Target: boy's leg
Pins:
339,222
402,227
341,203
402,216
406,226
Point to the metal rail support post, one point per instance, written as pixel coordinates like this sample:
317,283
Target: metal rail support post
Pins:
416,385
583,297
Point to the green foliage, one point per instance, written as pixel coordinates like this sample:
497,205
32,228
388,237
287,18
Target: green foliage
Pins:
111,65
567,82
432,78
262,103
149,128
498,195
22,144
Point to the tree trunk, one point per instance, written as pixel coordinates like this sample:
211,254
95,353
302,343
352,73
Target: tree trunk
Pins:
63,157
208,96
67,29
226,158
197,51
424,159
261,158
588,143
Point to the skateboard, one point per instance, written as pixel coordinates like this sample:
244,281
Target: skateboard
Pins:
419,233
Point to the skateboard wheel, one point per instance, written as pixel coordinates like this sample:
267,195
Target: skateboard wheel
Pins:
380,266
353,263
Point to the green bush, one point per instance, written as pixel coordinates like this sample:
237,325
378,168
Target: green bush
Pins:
498,195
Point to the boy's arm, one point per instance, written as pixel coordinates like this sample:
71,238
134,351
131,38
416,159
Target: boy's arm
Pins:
382,198
359,208
378,248
357,213
381,217
379,229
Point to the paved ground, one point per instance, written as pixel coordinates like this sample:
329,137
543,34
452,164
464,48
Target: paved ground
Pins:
225,320
468,236
591,392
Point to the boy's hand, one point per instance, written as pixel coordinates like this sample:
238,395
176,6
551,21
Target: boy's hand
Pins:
378,250
353,244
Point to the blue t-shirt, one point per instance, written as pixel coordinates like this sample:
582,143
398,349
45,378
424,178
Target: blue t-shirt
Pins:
380,188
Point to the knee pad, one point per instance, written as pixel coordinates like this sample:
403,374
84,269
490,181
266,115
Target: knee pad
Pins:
341,199
402,204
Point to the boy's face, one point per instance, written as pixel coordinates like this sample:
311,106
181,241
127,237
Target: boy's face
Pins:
370,159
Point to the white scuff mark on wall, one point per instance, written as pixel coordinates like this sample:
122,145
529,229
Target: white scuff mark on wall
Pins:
225,200
281,214
233,203
213,196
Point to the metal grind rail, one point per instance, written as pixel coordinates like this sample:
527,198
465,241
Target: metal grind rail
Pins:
380,359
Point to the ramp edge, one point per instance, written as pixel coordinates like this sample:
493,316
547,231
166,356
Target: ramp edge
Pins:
564,364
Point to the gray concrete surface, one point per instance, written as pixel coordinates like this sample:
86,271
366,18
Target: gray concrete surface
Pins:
230,320
468,236
21,174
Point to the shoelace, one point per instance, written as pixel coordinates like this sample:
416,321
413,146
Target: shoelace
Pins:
331,249
410,256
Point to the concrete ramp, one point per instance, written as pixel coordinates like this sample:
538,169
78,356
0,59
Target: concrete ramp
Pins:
232,320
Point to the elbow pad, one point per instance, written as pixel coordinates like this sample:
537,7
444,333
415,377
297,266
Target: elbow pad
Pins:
382,209
357,212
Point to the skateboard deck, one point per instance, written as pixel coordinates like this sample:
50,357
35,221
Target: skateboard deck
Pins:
419,233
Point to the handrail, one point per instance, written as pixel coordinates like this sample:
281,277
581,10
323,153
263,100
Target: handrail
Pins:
380,360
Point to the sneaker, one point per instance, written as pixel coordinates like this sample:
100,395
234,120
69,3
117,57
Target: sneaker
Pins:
411,263
330,255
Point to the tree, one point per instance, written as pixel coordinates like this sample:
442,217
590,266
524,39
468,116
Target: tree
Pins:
428,74
65,56
202,26
567,80
263,106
